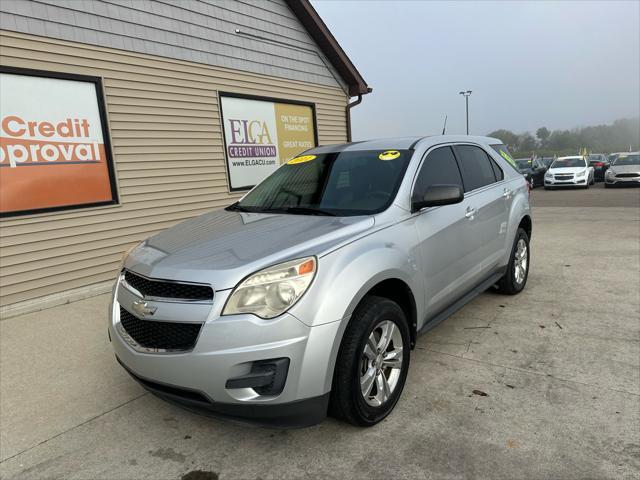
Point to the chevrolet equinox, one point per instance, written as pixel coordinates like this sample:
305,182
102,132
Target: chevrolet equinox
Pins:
307,295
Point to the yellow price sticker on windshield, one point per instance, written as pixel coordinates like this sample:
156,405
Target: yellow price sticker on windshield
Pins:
389,155
302,159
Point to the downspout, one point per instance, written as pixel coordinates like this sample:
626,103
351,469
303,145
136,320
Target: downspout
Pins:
348,112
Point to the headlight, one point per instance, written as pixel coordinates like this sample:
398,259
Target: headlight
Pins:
548,175
610,173
581,174
272,291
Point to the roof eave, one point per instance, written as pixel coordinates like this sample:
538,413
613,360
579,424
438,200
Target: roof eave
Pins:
329,45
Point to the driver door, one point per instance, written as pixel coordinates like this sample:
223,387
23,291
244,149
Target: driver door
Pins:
445,248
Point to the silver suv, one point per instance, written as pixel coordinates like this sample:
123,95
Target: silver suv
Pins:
307,295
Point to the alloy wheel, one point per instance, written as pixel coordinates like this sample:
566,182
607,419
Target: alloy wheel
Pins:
381,363
521,261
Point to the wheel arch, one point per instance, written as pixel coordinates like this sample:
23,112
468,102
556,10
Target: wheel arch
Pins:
527,225
399,292
393,288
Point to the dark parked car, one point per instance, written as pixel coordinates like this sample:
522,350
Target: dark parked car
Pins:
533,170
547,161
600,164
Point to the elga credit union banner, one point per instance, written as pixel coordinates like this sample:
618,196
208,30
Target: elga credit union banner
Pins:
52,152
261,135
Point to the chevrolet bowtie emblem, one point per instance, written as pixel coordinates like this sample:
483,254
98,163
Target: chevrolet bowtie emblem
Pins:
143,309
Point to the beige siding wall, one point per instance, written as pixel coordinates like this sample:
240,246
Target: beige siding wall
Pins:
168,151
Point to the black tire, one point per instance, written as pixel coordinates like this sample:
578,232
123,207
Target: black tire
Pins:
606,185
347,400
508,283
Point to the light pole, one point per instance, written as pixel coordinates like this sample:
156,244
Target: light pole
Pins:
466,98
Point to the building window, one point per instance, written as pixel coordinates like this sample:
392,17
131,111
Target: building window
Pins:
54,145
260,134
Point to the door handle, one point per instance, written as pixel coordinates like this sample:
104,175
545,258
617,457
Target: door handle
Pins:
507,193
470,213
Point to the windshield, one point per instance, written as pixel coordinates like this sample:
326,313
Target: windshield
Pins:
568,162
342,183
629,159
596,158
523,164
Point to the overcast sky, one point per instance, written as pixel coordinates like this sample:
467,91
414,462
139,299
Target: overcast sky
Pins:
529,64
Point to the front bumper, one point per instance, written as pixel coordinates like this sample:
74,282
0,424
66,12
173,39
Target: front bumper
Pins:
617,180
227,348
301,413
569,182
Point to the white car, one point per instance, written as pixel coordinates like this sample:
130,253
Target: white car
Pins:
569,172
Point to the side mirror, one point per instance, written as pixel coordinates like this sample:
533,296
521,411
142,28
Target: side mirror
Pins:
437,195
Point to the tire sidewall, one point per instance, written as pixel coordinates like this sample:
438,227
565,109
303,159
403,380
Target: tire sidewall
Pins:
392,312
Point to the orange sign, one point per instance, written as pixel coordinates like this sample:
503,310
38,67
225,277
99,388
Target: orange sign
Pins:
52,147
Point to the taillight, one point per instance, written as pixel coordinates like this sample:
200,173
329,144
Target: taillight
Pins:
599,164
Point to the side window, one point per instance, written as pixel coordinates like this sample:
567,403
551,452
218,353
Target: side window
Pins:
503,151
477,169
497,171
439,168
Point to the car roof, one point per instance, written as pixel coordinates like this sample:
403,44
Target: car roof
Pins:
570,157
402,143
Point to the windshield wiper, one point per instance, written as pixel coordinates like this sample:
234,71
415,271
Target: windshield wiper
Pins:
295,210
237,208
309,211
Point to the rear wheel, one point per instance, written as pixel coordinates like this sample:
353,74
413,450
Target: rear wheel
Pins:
517,272
372,363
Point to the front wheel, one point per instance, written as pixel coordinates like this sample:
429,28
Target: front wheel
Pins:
372,363
517,272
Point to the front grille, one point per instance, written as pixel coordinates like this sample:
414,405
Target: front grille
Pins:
564,177
160,335
165,289
627,175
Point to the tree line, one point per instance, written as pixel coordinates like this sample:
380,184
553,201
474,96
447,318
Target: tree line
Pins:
620,136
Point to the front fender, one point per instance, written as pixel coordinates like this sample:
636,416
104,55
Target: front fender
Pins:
346,275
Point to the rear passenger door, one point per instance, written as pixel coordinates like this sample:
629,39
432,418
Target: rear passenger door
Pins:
487,199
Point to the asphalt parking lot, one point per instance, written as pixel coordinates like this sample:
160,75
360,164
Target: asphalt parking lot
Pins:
541,385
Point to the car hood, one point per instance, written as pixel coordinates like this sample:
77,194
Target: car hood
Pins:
221,248
625,168
567,170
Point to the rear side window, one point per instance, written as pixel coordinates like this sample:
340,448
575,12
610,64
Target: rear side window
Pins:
477,169
439,168
497,171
